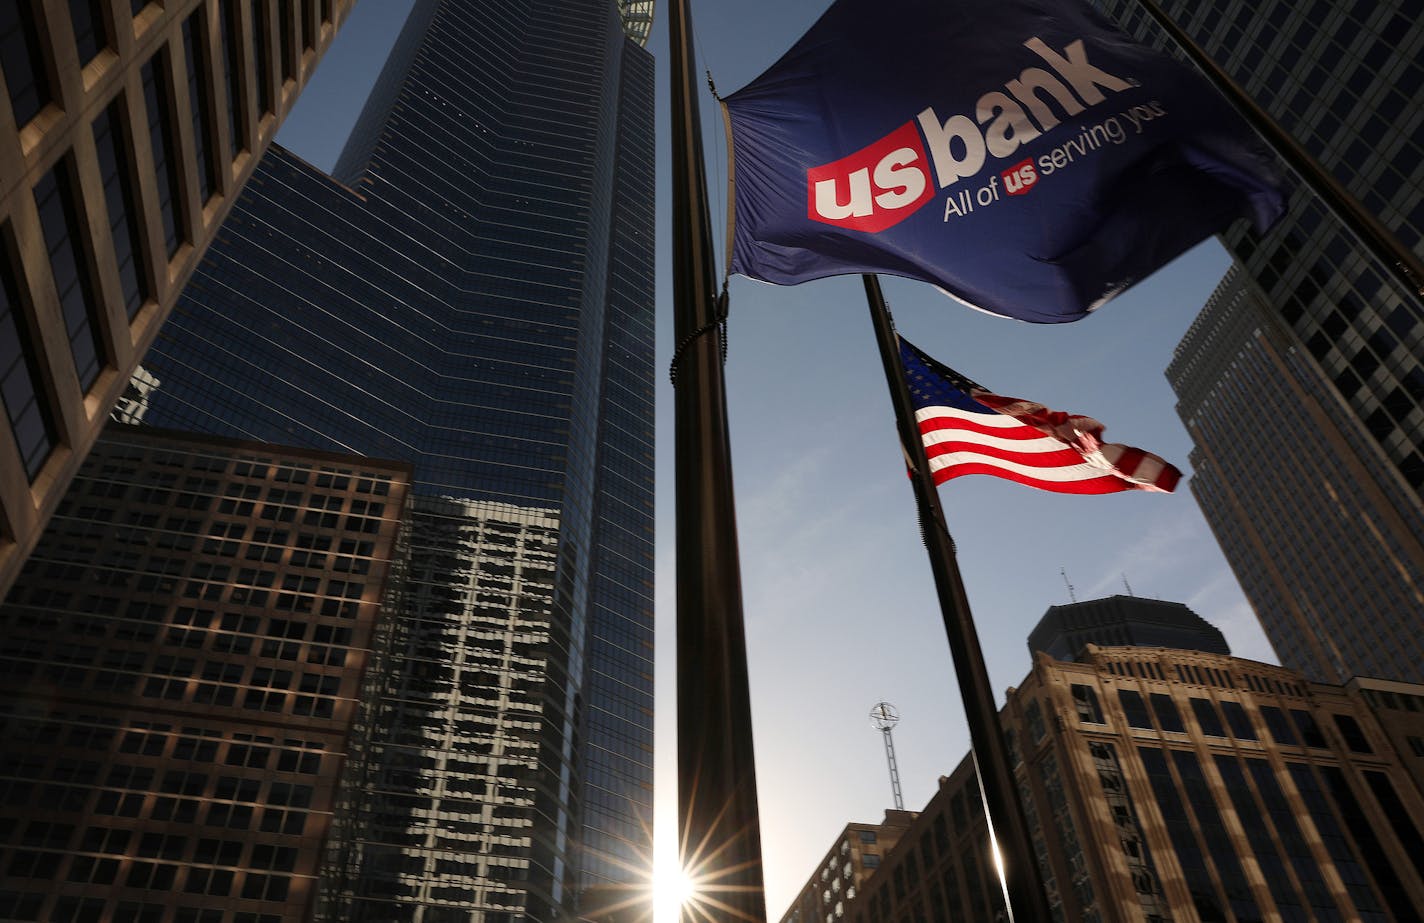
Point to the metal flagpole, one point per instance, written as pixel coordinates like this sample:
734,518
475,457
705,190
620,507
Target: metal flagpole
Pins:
1008,825
1372,235
720,834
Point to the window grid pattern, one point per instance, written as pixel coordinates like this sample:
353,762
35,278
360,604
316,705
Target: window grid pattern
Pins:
135,135
485,310
151,767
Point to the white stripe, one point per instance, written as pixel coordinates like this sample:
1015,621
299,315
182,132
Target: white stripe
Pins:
1071,473
1025,446
983,419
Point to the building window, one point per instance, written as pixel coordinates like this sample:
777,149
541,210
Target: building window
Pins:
1085,700
195,55
1167,716
309,24
1398,815
1134,709
1207,718
158,99
229,26
115,169
1353,734
23,59
69,262
1280,728
1309,730
261,28
91,30
287,41
1238,720
1273,867
21,389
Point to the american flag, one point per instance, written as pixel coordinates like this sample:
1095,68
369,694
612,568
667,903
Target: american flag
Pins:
968,430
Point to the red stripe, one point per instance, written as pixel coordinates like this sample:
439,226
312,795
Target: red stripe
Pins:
934,424
1060,458
1107,484
1129,460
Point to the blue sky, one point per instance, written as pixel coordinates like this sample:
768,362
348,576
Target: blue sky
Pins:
840,605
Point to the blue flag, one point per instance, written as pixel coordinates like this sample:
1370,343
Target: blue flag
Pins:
1022,155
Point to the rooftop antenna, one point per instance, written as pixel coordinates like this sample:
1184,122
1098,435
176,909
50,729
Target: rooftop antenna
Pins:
1071,595
884,717
1127,585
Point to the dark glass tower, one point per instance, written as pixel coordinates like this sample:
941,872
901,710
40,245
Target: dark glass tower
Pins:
1339,335
472,291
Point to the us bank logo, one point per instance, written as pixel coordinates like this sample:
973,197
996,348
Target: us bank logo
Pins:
886,182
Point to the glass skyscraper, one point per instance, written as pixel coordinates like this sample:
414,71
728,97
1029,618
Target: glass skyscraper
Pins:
472,291
1344,78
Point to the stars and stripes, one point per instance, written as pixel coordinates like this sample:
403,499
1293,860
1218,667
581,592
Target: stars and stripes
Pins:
968,430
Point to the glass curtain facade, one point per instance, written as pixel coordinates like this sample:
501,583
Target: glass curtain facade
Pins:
1344,78
473,292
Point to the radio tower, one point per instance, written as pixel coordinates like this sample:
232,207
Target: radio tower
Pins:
884,717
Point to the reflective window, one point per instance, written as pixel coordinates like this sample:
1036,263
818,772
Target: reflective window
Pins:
1309,730
115,169
1238,720
286,50
1167,715
1337,844
1398,814
1366,840
262,23
21,389
1135,709
91,31
1213,831
68,260
1353,734
1273,867
158,100
229,21
308,24
1207,718
1279,726
23,59
195,56
1181,833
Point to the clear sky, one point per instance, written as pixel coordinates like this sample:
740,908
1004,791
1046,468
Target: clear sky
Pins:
840,605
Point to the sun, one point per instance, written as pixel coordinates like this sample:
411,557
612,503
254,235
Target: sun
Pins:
672,887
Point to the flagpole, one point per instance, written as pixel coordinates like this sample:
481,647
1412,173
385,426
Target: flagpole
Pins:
719,829
1019,872
1367,229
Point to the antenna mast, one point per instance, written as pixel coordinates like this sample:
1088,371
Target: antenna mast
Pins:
1071,595
884,717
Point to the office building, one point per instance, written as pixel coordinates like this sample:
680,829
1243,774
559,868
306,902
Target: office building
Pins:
471,290
1325,541
1121,621
181,662
1183,785
1344,79
852,858
127,128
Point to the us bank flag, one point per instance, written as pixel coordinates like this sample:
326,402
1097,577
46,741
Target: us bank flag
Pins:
967,430
1022,155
